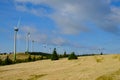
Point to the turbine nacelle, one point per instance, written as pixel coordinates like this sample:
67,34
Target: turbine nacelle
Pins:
16,29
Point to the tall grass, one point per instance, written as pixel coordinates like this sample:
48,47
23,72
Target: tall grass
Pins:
99,59
111,76
116,57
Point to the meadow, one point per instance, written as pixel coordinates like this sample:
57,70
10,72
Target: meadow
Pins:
98,67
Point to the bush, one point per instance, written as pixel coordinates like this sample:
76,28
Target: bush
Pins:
99,59
72,56
65,55
41,58
20,60
29,58
61,56
54,55
1,62
34,58
105,77
101,53
7,61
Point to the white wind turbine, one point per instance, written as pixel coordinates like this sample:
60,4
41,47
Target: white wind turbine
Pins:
15,37
27,42
33,45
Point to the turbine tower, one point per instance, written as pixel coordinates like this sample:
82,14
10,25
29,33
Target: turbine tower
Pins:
33,45
27,42
15,37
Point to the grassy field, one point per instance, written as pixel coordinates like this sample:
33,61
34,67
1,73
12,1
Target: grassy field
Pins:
18,56
101,67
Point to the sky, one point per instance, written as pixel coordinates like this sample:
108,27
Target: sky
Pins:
82,26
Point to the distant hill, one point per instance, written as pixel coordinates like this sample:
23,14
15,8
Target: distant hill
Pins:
25,55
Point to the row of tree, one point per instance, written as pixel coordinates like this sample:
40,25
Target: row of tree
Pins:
55,56
8,61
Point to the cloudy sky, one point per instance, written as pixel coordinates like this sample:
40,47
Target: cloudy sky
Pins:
83,26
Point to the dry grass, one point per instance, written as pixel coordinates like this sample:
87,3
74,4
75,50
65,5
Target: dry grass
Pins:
117,57
19,56
99,58
35,77
110,76
85,68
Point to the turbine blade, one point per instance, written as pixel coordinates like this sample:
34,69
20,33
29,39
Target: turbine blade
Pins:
18,25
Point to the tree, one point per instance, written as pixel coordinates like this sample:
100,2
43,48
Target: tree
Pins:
29,58
1,61
41,58
72,56
7,61
65,55
101,53
34,58
54,55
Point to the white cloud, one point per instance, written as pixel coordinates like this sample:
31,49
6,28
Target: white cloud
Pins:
58,41
35,34
40,37
21,7
115,15
72,15
30,29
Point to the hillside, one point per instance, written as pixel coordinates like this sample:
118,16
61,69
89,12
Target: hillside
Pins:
104,67
25,56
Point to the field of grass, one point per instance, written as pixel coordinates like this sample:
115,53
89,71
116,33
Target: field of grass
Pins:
101,67
18,56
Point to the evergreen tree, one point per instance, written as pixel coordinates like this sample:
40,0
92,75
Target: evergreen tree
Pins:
101,53
65,55
72,56
54,55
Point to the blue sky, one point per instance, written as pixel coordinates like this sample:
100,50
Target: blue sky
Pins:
82,26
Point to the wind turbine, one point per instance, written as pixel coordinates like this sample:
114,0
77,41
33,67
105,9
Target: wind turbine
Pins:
44,46
27,42
33,45
15,37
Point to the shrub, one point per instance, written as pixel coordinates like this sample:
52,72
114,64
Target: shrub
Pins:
105,77
34,58
41,58
72,56
29,58
99,59
20,60
65,55
61,56
101,53
7,61
1,62
54,55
